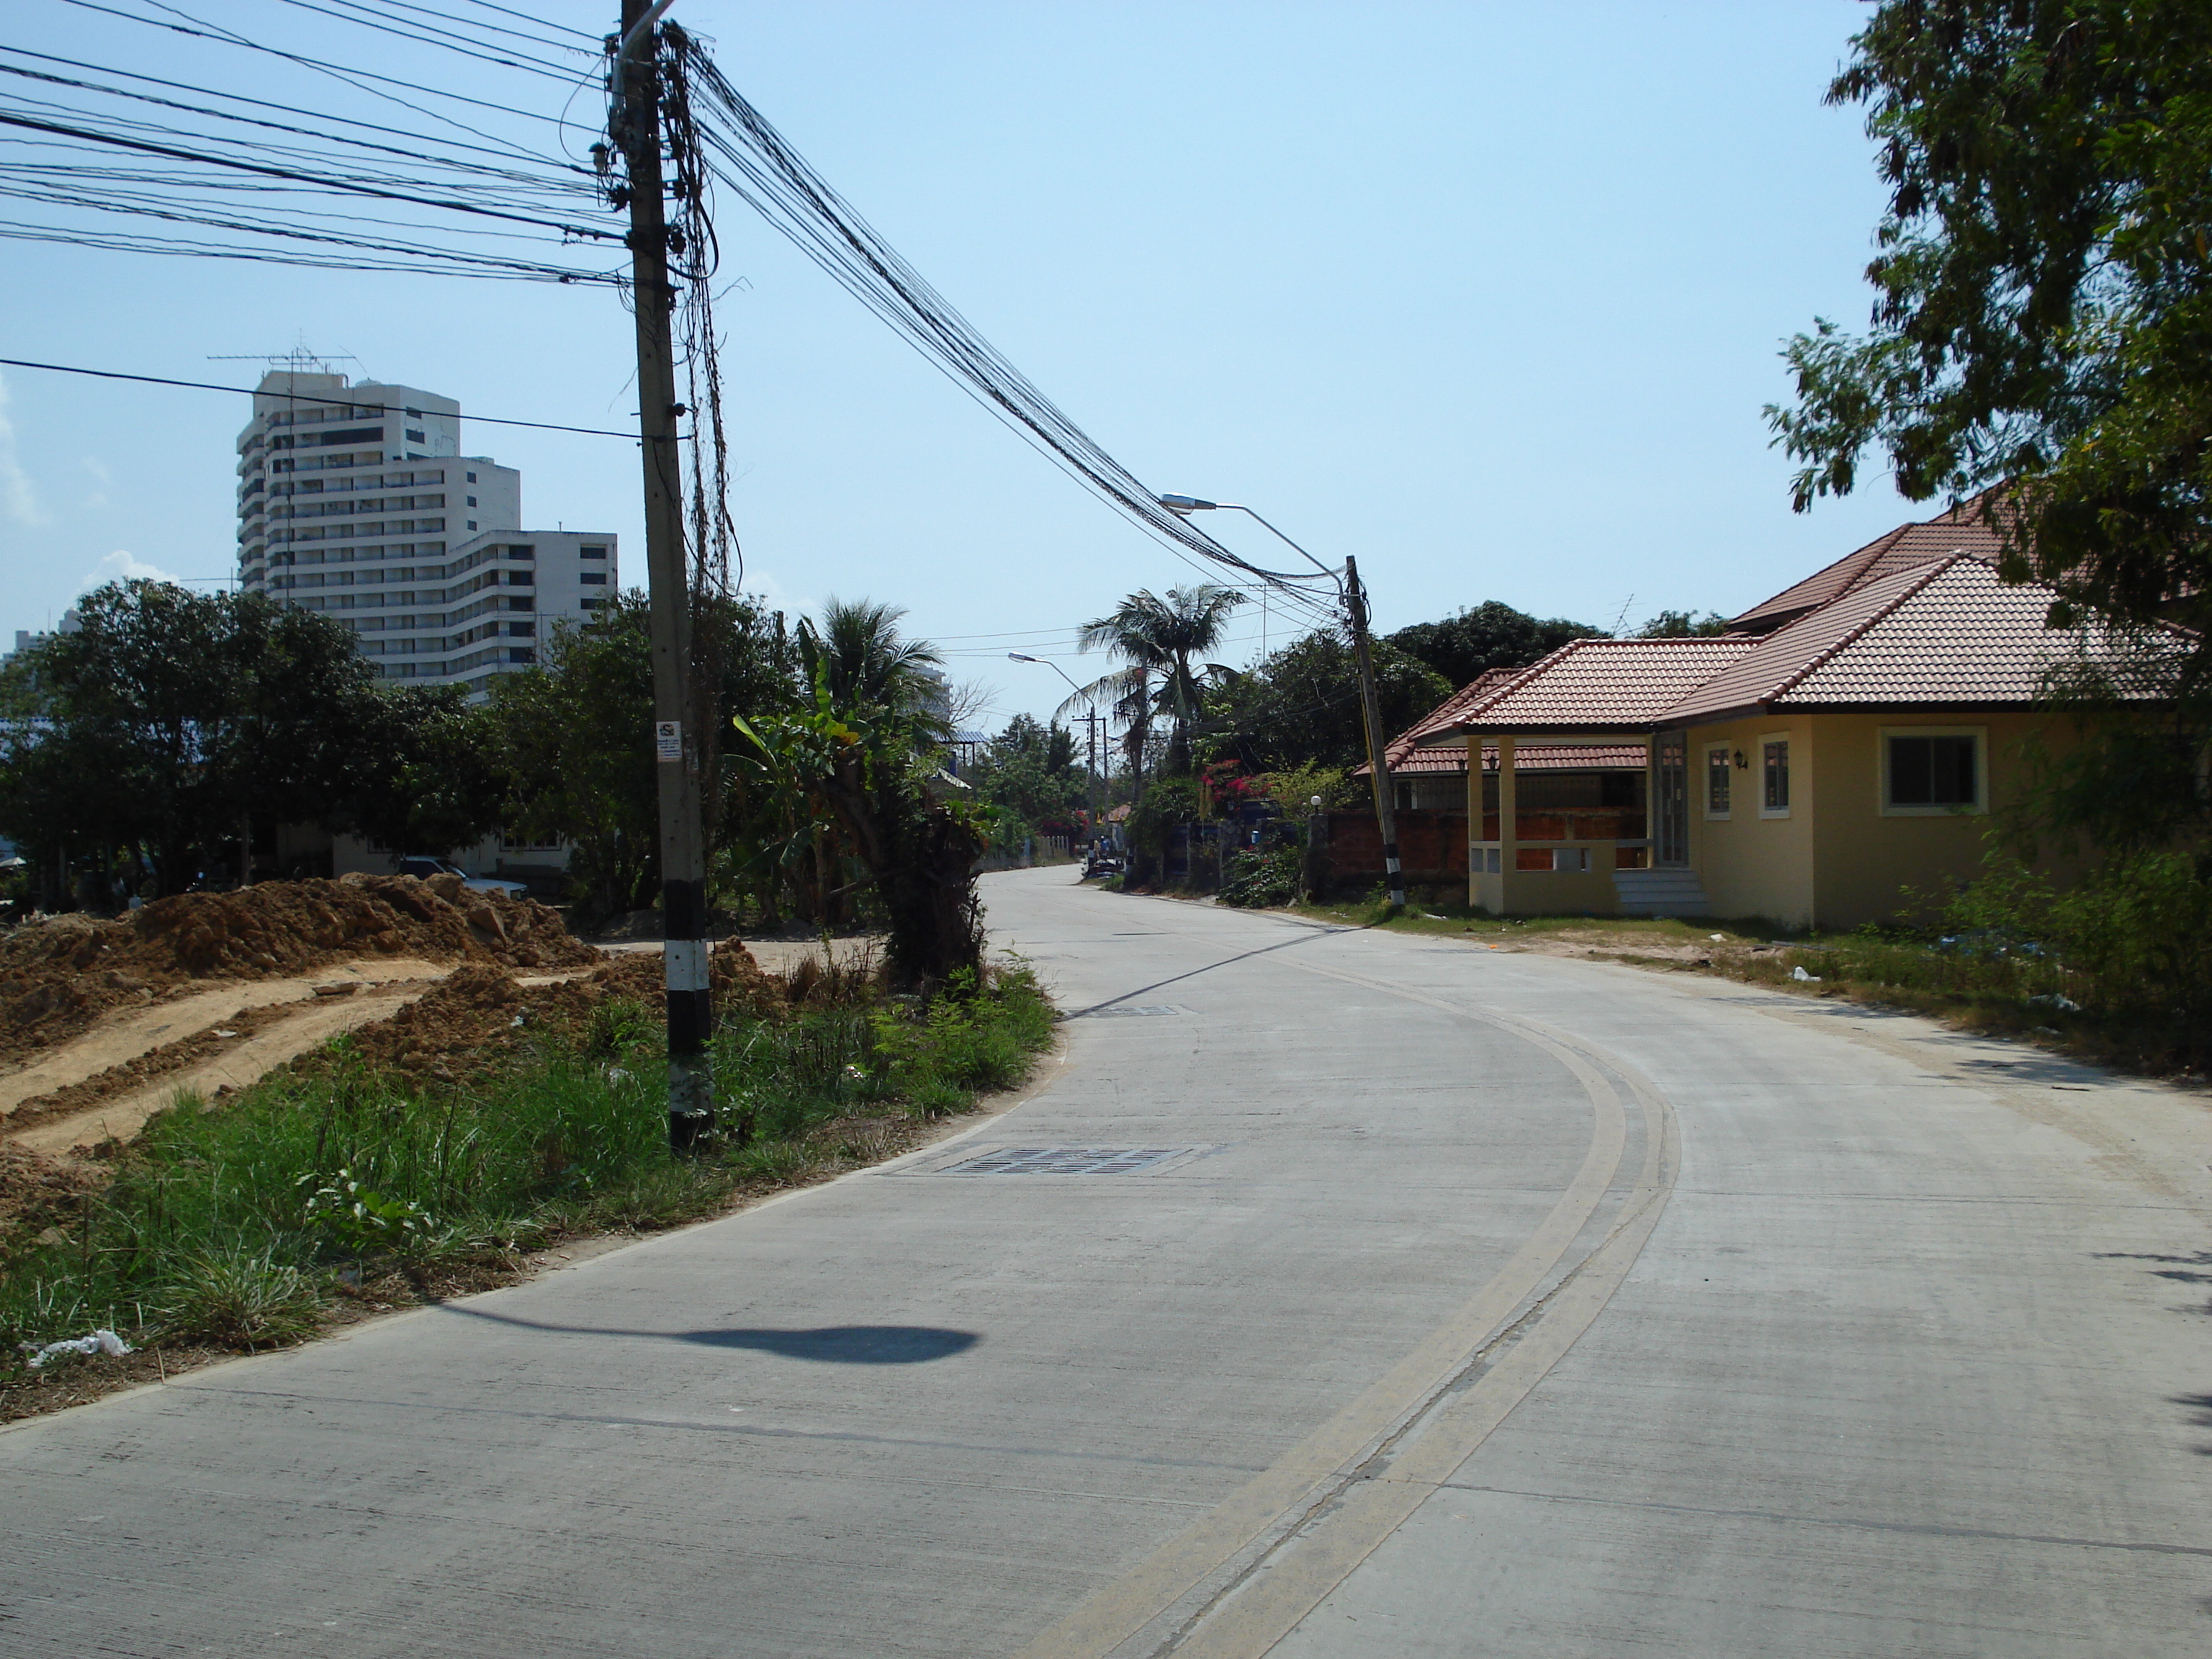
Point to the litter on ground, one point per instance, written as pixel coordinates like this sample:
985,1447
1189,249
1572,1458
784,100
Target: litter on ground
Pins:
100,1342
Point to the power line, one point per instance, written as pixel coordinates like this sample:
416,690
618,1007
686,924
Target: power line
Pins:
298,397
413,155
177,154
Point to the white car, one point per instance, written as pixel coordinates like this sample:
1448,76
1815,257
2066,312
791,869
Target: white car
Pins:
429,867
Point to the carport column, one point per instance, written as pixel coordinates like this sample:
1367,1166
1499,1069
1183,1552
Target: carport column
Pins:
1474,816
1509,825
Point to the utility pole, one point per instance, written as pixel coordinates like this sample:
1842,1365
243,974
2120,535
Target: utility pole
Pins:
1378,752
635,131
1090,721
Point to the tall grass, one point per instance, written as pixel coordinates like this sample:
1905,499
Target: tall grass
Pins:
237,1227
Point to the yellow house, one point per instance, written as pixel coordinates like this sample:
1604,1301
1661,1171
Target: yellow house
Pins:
1846,740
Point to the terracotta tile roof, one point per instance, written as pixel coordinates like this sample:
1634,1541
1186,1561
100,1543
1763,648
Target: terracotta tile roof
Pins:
1527,757
1946,634
1404,750
1589,685
1904,548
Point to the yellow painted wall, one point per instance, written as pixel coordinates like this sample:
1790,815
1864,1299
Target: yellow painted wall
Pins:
1861,858
1751,865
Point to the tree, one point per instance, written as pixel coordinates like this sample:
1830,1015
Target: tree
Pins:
172,722
1681,625
1464,647
427,775
859,654
860,754
575,737
2044,293
1299,707
1161,641
1030,778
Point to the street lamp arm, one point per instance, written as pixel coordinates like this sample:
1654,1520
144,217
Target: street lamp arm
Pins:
1016,656
1232,506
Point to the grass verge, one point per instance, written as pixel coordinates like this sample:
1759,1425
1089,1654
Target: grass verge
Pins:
1987,981
346,1188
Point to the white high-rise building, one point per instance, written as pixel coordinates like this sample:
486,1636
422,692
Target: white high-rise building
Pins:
355,500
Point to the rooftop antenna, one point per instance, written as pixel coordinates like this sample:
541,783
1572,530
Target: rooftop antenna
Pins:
298,361
1623,618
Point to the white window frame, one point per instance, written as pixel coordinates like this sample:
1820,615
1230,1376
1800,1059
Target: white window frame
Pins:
1980,807
1727,752
1789,770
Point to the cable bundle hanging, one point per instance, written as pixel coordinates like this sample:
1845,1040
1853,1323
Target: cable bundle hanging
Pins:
289,183
760,165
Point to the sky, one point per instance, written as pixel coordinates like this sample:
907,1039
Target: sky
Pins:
1489,296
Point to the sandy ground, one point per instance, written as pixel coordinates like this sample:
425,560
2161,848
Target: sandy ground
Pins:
321,1005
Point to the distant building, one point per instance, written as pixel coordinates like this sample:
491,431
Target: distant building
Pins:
25,639
355,500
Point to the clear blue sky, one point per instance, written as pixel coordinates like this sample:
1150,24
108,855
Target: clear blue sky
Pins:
1487,294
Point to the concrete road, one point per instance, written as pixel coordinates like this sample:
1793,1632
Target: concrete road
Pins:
1440,1301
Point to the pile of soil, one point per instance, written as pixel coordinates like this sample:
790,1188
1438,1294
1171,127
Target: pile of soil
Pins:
57,976
35,1188
480,1020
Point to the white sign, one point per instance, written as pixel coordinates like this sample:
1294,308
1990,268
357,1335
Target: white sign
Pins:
668,739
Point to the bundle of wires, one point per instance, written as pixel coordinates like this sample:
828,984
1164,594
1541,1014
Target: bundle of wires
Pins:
747,155
300,183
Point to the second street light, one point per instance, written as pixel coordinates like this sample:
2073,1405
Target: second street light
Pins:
1354,598
1090,726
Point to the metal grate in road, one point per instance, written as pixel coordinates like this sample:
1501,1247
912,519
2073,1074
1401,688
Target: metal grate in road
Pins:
1135,1011
1066,1160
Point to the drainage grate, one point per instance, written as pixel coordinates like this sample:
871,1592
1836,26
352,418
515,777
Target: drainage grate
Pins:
1125,1012
1067,1160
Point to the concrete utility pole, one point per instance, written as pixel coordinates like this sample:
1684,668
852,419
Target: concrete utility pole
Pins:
635,131
1355,610
1378,741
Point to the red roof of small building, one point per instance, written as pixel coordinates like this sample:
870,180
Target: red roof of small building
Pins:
1593,685
1945,634
1527,757
1959,530
1918,620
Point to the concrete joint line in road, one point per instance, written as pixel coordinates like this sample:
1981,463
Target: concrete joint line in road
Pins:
1273,1550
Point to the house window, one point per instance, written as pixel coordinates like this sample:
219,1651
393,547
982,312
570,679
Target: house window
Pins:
1933,771
1717,782
1774,766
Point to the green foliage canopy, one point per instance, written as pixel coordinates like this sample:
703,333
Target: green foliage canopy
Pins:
1464,647
1299,707
173,720
2043,291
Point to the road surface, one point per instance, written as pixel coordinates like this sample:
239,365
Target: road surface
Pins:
1440,1302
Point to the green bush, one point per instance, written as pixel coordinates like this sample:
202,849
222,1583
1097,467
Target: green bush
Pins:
1270,878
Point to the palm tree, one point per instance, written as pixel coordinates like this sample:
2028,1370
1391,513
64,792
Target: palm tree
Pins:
1161,640
866,662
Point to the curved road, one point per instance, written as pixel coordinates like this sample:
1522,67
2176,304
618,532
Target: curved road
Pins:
1413,1299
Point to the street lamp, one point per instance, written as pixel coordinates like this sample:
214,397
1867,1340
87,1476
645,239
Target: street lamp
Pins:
1089,724
1354,597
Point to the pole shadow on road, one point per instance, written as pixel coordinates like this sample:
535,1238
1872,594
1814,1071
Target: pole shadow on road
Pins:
832,1344
1226,962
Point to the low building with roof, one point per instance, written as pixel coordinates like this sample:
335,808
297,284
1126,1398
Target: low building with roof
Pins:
1846,740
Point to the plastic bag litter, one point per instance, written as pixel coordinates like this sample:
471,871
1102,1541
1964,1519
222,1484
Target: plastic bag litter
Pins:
100,1342
2057,999
1801,975
1716,937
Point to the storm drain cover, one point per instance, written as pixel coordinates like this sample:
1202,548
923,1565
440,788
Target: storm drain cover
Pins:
1067,1160
1130,1011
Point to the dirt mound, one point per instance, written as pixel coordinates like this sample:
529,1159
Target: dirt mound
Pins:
480,1020
58,976
34,1188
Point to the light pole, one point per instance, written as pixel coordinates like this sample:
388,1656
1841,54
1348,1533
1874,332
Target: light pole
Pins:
1354,598
1089,725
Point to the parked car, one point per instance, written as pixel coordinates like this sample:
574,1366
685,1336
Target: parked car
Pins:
425,867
